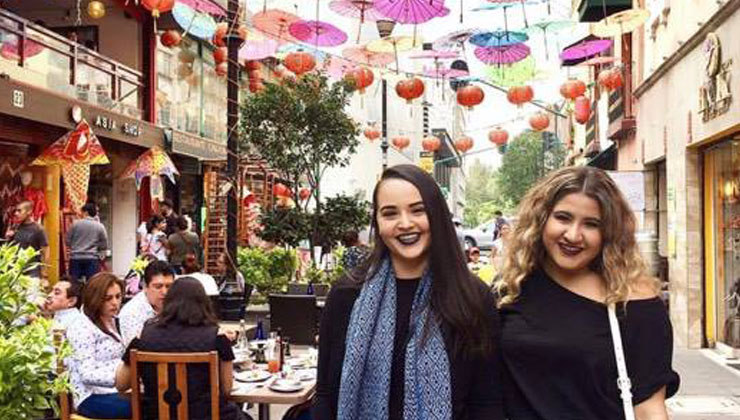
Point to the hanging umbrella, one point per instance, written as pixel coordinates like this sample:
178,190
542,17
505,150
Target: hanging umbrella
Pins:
319,55
620,23
317,33
75,152
512,75
198,24
506,54
338,67
205,6
275,23
410,11
257,48
597,61
445,73
151,163
498,38
455,40
11,50
435,55
549,26
364,10
585,50
394,44
367,57
505,5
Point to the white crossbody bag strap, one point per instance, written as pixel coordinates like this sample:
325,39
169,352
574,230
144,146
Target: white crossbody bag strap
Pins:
623,381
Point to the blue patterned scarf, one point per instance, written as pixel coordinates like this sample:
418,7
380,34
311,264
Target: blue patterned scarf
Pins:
366,372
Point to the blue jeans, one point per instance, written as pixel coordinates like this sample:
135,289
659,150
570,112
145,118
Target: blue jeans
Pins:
106,406
83,268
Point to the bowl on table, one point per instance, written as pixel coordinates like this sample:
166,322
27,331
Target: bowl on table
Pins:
255,375
286,385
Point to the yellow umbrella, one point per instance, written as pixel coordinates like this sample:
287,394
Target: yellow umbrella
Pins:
620,23
394,44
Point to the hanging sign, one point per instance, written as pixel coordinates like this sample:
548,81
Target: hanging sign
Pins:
426,161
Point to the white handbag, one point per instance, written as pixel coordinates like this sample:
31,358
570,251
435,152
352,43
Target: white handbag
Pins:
623,380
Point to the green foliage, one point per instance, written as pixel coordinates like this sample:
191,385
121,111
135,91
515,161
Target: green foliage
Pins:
27,358
526,161
268,271
340,214
284,226
482,196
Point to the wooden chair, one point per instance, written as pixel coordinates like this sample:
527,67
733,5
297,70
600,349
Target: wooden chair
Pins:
180,360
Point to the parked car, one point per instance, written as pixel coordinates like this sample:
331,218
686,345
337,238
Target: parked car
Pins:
481,236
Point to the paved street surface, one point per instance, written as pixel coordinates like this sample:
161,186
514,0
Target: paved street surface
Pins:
709,389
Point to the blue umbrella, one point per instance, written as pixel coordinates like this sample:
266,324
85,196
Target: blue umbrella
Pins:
498,38
198,24
505,5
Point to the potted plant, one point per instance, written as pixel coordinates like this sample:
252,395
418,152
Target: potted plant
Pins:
27,358
267,271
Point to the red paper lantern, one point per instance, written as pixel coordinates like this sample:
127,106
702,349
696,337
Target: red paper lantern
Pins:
362,78
572,89
611,79
222,69
582,109
281,190
252,65
539,121
220,55
498,136
463,144
299,62
519,95
401,142
219,36
304,193
241,31
470,96
431,143
170,38
410,89
157,7
371,133
254,75
256,86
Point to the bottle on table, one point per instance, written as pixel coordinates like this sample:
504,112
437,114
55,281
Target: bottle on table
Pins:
260,333
309,289
279,349
242,342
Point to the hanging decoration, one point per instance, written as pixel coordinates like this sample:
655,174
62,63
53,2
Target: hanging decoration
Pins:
611,79
196,24
252,65
410,89
157,7
96,9
299,62
498,136
572,89
582,109
431,143
519,95
257,47
372,133
584,50
170,38
153,163
220,55
362,77
463,144
512,75
507,54
219,37
304,193
401,142
317,33
369,58
281,190
222,69
75,152
539,121
364,10
470,96
411,11
275,23
394,44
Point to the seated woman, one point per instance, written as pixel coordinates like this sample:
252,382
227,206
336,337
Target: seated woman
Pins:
186,324
97,350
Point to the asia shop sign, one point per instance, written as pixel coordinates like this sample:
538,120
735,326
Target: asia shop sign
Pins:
110,124
198,147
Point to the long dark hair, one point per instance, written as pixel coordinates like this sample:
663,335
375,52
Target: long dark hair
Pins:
186,303
458,299
93,298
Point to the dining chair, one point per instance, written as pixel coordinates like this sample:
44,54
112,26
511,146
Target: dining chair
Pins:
296,316
180,362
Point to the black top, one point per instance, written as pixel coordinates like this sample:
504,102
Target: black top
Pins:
475,381
559,356
183,339
31,235
405,292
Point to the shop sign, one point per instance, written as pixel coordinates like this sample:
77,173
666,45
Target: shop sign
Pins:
715,94
19,98
426,161
197,147
110,124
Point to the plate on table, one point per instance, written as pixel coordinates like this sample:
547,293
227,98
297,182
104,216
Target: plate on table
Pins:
286,385
305,374
252,376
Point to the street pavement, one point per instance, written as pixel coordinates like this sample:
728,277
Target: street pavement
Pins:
710,390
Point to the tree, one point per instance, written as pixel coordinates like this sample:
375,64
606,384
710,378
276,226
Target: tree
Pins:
301,128
482,196
527,160
341,214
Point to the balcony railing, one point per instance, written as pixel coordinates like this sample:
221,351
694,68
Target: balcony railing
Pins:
32,54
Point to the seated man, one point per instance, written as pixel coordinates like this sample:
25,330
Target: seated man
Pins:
63,303
158,278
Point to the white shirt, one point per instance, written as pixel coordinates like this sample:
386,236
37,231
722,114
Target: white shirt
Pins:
206,280
133,316
66,317
95,358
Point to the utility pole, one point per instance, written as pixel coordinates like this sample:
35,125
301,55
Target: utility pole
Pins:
384,123
232,119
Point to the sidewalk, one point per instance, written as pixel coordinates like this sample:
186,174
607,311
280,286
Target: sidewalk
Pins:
710,390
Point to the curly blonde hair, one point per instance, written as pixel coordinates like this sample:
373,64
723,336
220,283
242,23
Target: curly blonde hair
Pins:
619,261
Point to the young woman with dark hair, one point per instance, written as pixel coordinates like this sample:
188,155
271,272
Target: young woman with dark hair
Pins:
187,323
411,333
97,350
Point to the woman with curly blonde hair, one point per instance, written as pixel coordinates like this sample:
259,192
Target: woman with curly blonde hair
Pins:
572,256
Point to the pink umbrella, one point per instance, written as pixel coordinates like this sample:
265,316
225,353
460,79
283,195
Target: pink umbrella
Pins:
364,10
367,57
337,67
258,49
507,54
436,55
597,61
411,11
585,50
205,6
318,33
445,73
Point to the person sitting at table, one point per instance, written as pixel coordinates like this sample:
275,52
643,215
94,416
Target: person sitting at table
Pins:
97,351
411,334
186,324
158,278
63,302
